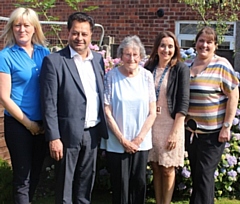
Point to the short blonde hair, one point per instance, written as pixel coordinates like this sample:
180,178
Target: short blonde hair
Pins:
37,38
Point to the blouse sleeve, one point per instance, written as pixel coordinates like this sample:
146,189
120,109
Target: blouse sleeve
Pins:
229,77
5,64
151,87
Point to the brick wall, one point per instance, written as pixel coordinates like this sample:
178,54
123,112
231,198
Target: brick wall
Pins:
3,149
123,17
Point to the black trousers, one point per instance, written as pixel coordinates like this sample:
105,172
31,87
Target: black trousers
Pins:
27,153
204,155
128,177
75,172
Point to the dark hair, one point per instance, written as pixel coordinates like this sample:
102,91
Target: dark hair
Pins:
80,17
154,58
209,32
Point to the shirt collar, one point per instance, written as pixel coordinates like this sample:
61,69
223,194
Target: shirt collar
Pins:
74,53
16,47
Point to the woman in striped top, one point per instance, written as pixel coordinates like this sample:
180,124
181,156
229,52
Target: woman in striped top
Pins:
213,103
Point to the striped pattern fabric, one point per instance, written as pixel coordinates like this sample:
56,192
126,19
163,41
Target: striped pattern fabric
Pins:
207,94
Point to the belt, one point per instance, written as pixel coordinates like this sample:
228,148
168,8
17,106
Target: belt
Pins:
200,132
88,128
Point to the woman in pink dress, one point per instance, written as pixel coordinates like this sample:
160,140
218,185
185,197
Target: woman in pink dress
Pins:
171,78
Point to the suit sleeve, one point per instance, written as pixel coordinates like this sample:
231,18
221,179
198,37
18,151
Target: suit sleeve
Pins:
49,92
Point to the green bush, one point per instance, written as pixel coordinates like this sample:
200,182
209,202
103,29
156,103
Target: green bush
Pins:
5,183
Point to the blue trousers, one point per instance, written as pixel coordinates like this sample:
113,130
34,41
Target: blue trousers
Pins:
27,154
204,155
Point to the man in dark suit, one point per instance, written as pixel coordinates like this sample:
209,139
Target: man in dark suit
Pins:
73,111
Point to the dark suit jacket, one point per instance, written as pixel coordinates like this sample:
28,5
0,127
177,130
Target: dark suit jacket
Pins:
63,100
178,91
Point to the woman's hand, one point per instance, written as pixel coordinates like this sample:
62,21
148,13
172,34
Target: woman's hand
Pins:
137,141
129,146
224,135
175,132
35,128
172,141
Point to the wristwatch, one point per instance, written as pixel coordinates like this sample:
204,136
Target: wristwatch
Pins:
226,124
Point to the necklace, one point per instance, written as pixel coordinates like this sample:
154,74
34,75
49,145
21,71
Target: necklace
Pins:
159,85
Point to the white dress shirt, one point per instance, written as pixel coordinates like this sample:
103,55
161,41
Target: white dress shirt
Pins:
88,79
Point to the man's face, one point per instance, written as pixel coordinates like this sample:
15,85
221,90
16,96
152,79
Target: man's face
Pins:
79,37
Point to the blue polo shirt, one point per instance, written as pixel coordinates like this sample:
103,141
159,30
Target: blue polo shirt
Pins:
24,71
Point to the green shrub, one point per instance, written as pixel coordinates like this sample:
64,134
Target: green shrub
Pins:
5,183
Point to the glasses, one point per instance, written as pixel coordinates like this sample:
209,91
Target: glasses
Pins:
130,56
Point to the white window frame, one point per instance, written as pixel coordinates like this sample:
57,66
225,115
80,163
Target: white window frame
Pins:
181,37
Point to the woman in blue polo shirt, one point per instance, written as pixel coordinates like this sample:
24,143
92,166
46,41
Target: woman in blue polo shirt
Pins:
20,65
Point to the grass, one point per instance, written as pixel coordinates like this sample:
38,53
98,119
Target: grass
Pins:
103,197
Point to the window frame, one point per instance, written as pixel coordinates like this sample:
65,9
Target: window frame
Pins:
180,37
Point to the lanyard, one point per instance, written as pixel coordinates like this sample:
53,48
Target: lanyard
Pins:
160,81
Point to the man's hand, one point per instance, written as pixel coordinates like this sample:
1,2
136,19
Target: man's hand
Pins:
56,149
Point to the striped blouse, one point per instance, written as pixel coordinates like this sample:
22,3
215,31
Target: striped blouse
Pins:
207,94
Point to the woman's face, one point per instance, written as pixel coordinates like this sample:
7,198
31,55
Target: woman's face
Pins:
205,46
131,58
23,31
166,49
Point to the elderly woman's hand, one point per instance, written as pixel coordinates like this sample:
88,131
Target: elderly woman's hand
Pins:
137,141
129,146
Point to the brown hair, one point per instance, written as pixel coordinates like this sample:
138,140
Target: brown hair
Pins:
209,32
154,58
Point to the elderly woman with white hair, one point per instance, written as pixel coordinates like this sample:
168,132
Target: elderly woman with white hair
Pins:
130,106
21,60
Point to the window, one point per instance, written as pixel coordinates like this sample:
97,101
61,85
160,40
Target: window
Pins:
186,32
